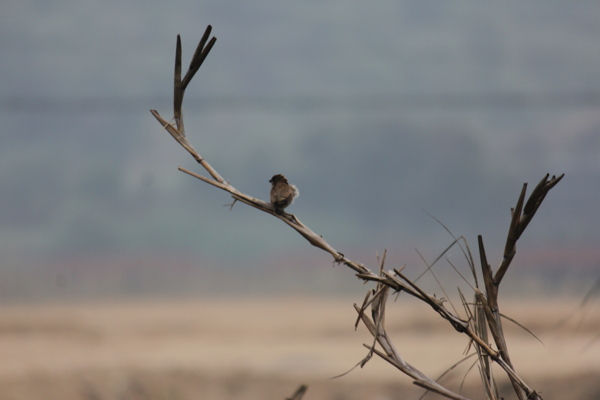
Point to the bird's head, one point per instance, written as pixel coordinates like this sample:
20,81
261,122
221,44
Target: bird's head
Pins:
278,178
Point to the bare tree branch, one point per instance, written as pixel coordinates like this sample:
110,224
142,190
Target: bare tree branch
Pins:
521,217
299,393
485,304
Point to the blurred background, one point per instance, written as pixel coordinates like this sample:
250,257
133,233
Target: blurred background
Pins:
387,115
380,112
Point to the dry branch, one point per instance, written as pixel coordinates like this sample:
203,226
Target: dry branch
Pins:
522,215
299,393
485,304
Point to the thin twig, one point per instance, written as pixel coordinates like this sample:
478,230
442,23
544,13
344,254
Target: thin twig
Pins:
299,393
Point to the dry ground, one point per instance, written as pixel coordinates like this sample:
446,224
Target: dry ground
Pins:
264,348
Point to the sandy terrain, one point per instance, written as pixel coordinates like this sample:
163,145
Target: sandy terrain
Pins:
263,349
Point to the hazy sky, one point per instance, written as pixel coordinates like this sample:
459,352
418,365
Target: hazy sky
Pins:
377,110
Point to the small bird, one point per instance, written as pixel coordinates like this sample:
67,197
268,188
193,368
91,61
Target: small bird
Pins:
282,193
